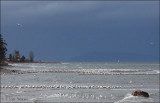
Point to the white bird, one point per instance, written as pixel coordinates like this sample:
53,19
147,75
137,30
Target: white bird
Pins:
151,43
19,24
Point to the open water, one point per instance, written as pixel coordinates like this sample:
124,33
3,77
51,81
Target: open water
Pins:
79,82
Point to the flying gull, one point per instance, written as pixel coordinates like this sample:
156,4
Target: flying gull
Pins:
19,24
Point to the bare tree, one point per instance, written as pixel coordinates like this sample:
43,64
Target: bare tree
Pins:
16,55
31,55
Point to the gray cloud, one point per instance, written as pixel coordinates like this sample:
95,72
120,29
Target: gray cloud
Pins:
109,9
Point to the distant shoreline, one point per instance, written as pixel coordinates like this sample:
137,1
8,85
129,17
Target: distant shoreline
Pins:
35,62
91,62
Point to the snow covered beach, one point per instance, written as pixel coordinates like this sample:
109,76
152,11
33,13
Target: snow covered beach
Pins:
79,82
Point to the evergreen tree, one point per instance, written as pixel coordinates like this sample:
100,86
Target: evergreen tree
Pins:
3,49
22,59
10,57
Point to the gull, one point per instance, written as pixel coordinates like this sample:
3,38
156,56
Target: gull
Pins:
151,43
19,24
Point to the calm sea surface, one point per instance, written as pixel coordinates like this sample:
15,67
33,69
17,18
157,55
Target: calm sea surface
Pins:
79,82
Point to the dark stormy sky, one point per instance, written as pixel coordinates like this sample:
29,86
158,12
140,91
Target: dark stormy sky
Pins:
82,31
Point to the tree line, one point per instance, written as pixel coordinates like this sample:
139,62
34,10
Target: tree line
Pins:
15,56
